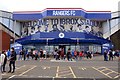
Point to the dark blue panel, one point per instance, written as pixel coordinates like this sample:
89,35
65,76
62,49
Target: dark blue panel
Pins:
26,42
102,16
62,41
27,16
56,35
24,38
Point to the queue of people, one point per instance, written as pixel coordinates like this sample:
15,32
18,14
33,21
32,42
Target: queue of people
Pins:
32,54
111,54
59,54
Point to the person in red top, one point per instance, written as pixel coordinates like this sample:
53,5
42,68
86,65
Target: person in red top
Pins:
62,54
81,55
75,54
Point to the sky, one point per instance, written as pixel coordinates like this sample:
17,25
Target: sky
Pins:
38,5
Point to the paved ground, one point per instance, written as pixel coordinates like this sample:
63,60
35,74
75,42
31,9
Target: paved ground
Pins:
49,69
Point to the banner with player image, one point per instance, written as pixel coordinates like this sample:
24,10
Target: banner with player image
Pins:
61,25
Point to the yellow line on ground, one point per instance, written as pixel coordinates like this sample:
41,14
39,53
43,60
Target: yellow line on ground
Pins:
109,72
27,70
112,71
101,72
57,71
116,76
65,75
64,71
10,77
72,72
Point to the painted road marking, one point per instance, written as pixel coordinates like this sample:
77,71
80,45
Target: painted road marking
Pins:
104,69
116,77
57,71
11,77
64,71
101,72
107,74
27,70
45,67
65,75
16,69
72,72
53,60
60,72
83,68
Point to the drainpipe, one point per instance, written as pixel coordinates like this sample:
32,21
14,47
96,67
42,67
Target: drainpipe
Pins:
108,22
14,25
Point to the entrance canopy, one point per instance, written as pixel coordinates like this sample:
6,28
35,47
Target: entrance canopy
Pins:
62,38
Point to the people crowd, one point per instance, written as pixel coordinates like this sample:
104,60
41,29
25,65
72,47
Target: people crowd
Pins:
57,54
111,54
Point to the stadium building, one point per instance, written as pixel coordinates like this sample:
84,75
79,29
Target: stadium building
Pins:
52,28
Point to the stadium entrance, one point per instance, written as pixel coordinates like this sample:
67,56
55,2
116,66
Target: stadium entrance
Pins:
76,29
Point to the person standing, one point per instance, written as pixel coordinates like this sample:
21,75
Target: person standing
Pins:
3,60
20,55
12,60
55,53
110,55
41,53
36,54
75,55
69,55
105,56
81,55
24,54
44,54
62,53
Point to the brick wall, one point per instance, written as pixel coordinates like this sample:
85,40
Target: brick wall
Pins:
4,40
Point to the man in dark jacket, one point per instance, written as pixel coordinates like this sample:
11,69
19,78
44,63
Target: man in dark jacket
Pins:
12,60
110,55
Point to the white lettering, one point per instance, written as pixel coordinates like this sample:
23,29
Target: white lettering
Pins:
64,13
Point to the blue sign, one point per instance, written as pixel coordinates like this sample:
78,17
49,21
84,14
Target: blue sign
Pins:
107,47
